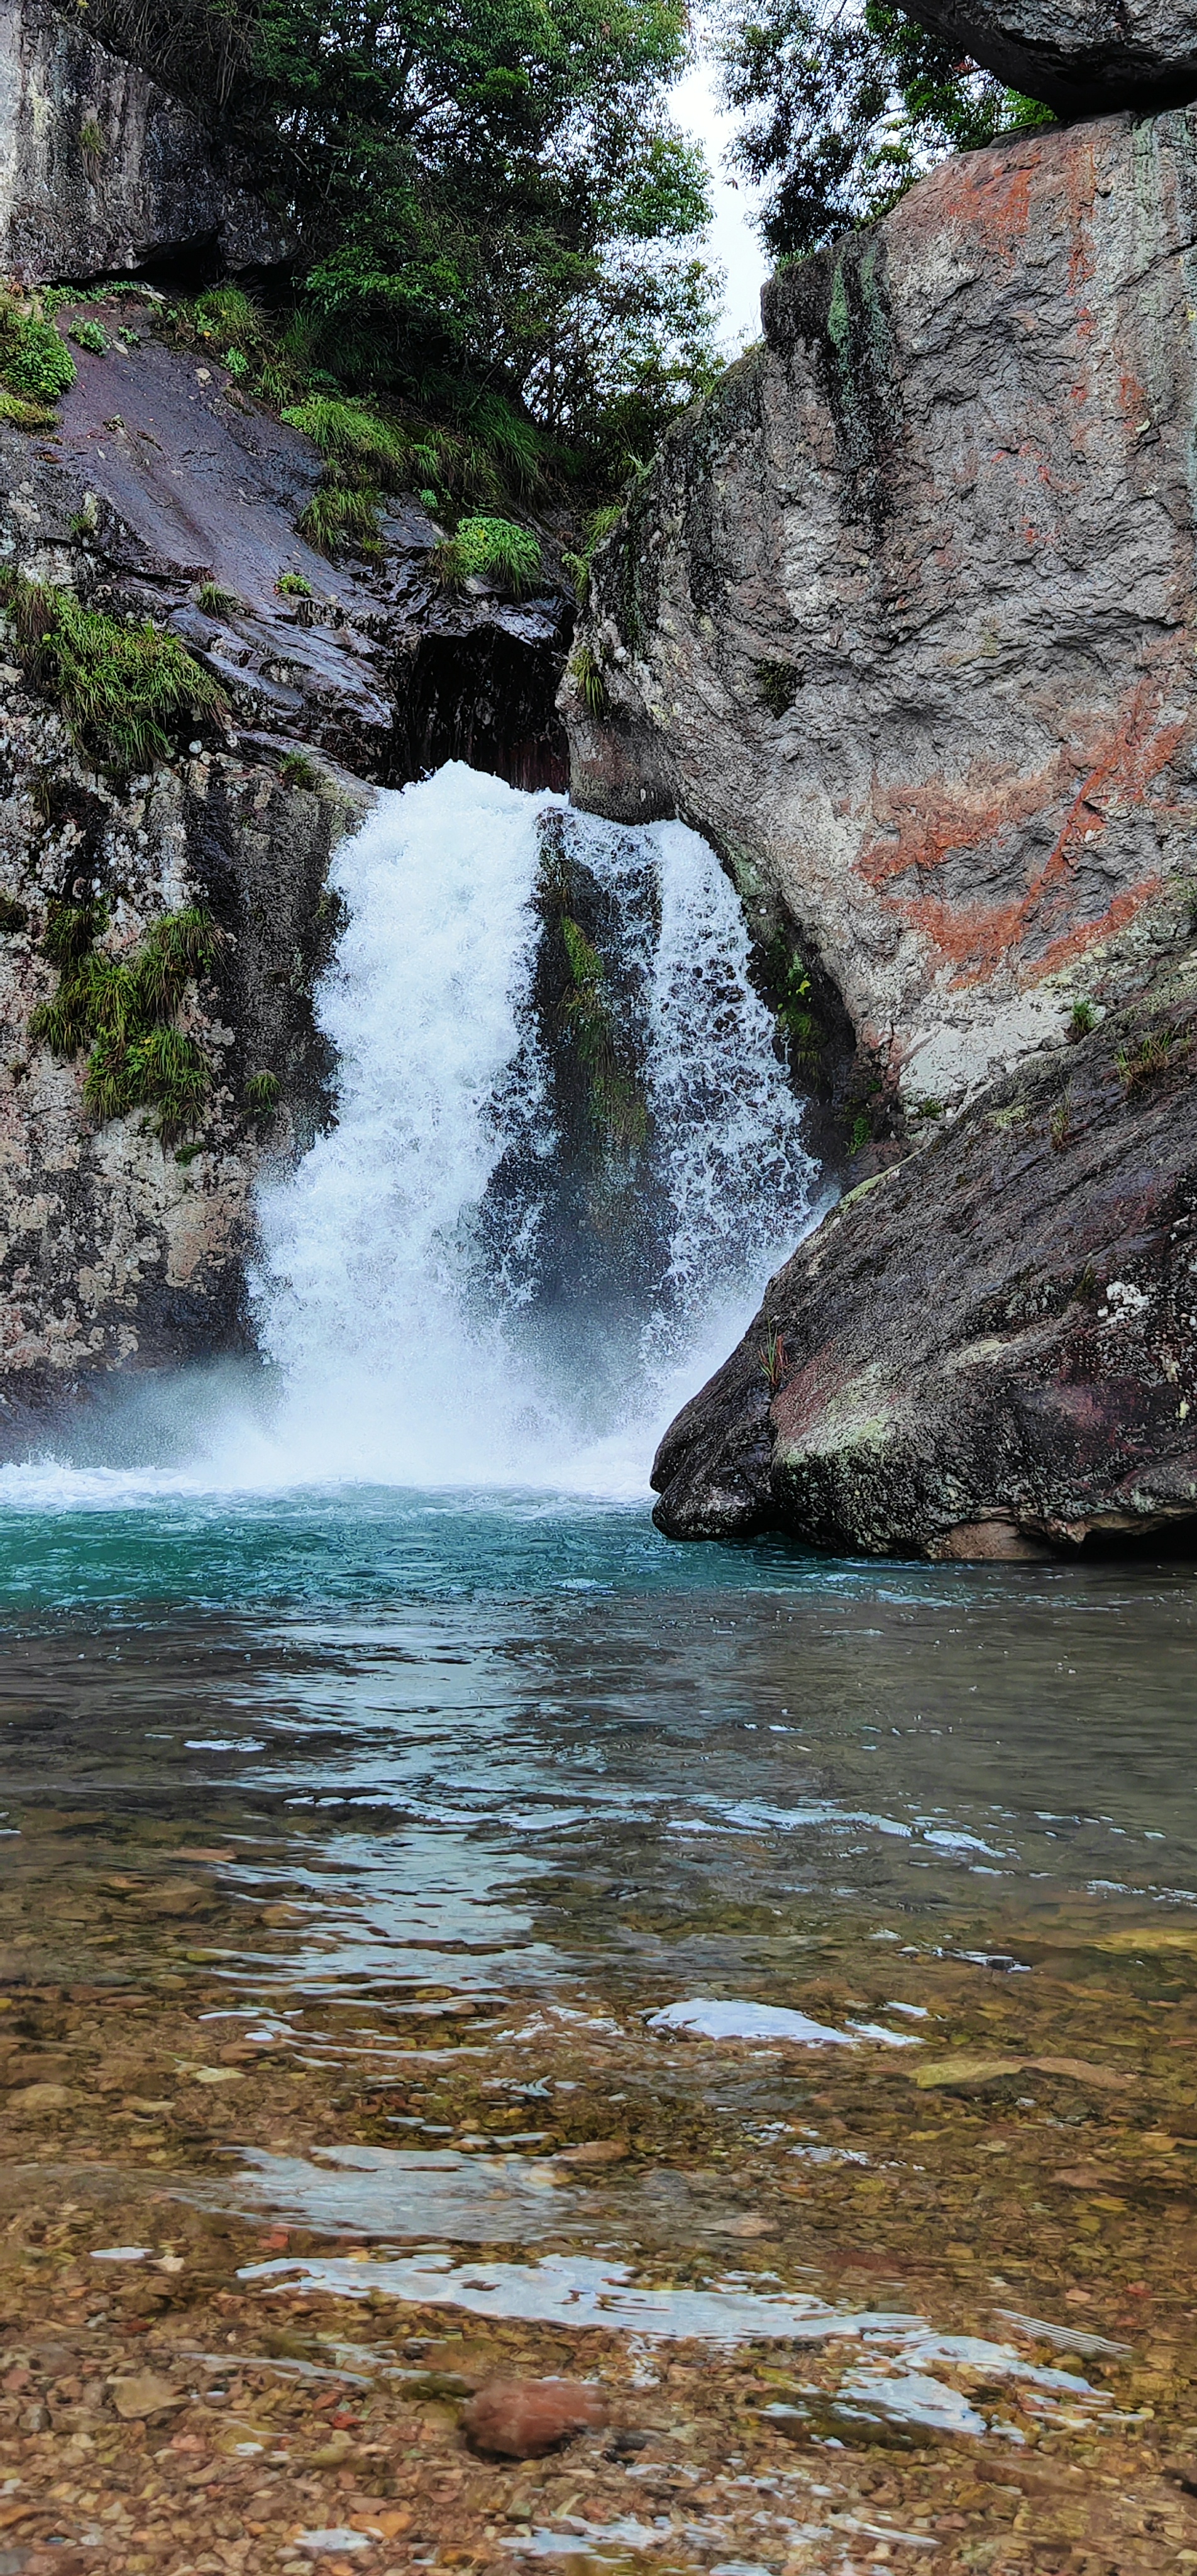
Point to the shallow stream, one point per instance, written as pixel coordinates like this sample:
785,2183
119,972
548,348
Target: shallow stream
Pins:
438,1905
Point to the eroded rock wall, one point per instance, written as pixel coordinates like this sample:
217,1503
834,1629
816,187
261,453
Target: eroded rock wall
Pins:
1081,57
101,170
903,616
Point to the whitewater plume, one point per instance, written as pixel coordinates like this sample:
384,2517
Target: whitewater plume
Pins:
412,1284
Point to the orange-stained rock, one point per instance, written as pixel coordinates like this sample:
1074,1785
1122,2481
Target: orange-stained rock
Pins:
523,2418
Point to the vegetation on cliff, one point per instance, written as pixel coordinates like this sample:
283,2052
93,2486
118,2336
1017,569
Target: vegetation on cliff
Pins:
123,689
845,109
125,1011
498,221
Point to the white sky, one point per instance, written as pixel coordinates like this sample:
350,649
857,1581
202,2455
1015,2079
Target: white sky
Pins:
731,241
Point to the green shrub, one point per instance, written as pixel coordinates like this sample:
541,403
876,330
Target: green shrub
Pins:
124,1011
121,688
90,335
367,448
496,549
262,1094
216,602
34,358
291,585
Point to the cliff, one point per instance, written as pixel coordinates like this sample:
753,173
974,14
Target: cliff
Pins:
903,619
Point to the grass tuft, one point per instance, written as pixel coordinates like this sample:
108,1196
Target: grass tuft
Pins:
216,602
586,672
340,515
262,1094
350,435
121,688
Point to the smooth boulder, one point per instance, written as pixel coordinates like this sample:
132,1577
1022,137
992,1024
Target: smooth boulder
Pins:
521,2419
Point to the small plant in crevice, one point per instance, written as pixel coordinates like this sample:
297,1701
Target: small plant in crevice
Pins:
1061,1123
784,979
772,1356
598,526
860,1133
124,1010
296,770
13,915
92,144
122,689
1152,1056
291,585
90,335
217,602
586,672
341,515
777,685
1081,1019
263,1092
491,549
927,1109
618,1113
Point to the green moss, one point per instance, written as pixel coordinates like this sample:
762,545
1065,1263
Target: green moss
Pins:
618,1113
776,686
124,1011
122,689
22,414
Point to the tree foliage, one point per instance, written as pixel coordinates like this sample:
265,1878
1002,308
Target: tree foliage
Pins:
491,199
845,106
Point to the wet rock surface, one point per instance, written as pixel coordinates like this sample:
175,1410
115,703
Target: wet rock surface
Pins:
987,1350
523,2418
1079,59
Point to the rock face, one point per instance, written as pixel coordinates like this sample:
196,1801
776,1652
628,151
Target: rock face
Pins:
101,170
990,1349
902,618
1082,57
118,1252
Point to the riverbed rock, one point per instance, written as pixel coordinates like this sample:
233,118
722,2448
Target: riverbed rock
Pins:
988,1350
521,2419
1080,59
902,617
102,171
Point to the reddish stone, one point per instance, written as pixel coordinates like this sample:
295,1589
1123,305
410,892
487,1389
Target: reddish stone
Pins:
523,2418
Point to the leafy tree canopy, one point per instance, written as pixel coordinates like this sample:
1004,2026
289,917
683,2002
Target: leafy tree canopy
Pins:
490,196
844,106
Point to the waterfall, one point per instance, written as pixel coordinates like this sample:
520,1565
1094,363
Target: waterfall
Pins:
454,1288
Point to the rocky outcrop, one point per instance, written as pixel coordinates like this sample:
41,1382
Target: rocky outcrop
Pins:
903,616
101,170
1082,57
903,619
990,1349
164,493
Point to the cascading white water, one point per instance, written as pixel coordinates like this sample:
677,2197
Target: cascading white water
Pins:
393,1366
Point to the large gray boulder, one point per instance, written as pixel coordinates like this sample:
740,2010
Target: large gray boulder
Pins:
1082,57
101,170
